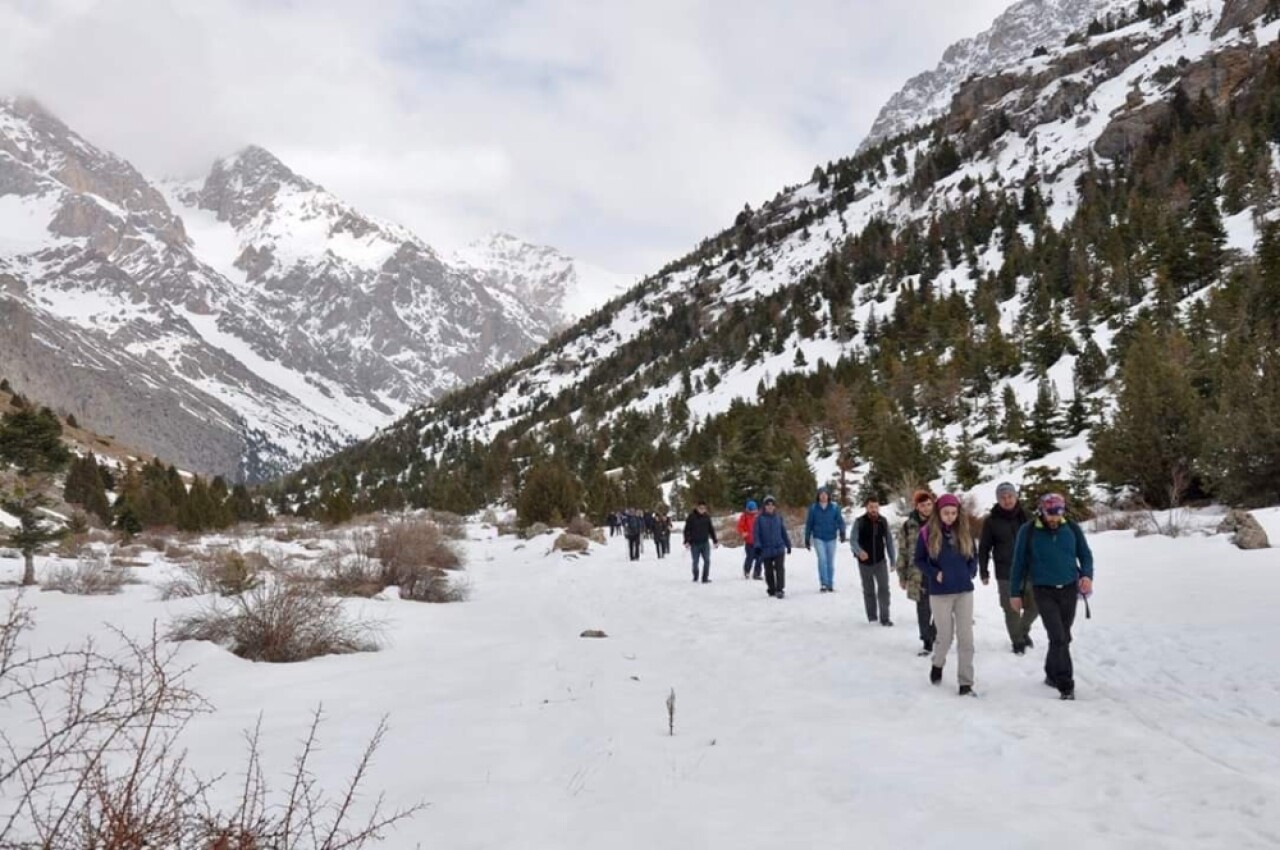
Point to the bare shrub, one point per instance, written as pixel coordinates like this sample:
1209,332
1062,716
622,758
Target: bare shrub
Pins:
1106,519
106,769
156,540
435,586
225,572
279,623
91,575
727,532
569,542
409,545
453,526
580,526
350,568
178,552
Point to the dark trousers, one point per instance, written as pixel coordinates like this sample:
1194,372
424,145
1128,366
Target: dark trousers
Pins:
924,619
662,543
701,551
775,573
633,547
752,564
875,590
1058,612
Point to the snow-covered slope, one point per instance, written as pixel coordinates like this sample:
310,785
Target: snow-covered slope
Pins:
240,325
566,288
1016,34
753,309
797,724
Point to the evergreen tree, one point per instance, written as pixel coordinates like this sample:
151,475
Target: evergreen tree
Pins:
1039,437
1014,416
1154,439
31,441
965,458
33,533
85,487
550,492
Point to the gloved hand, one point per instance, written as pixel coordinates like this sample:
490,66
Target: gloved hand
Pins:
806,545
789,550
843,539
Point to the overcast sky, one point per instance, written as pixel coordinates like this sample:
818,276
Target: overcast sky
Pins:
620,132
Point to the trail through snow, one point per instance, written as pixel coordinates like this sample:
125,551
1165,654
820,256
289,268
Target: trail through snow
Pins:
798,724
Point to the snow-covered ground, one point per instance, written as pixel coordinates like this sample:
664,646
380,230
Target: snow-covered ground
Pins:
798,724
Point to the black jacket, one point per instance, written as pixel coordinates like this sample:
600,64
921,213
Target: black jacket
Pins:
698,529
998,535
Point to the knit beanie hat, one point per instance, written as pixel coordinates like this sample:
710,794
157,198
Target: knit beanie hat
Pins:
751,505
948,500
1006,487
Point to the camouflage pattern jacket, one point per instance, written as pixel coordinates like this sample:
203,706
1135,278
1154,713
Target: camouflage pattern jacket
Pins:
907,570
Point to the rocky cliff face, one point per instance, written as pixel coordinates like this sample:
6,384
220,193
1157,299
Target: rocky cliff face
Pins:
238,326
1015,35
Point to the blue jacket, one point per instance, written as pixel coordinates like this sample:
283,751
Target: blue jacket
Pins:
823,524
1057,557
770,536
957,570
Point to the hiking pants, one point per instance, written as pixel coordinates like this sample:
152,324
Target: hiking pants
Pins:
752,563
1058,613
633,547
662,543
953,614
826,550
924,618
775,573
875,589
703,551
1018,624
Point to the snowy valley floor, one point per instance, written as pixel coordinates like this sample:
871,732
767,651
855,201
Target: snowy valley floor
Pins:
798,724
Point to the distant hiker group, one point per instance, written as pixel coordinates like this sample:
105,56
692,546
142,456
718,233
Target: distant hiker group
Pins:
1043,566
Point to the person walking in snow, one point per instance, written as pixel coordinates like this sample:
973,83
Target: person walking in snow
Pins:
751,565
946,555
999,531
912,579
633,526
1051,554
699,537
772,544
649,523
823,525
662,533
612,520
872,544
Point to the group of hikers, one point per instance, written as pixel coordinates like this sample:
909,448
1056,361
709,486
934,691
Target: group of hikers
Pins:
1043,566
635,525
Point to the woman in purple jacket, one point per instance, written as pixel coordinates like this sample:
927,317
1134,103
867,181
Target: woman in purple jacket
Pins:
945,556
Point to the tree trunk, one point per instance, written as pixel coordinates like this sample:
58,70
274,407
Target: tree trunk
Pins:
28,569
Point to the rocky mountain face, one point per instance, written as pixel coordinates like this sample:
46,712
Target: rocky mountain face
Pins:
567,289
958,302
1022,29
237,326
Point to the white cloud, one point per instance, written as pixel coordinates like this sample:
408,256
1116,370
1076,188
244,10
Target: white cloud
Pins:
623,132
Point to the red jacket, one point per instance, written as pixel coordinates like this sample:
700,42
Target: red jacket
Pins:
747,526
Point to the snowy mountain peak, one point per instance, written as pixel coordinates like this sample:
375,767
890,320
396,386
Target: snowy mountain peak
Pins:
1013,37
564,288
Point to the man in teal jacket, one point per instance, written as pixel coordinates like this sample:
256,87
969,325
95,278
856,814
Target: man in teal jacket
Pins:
1053,551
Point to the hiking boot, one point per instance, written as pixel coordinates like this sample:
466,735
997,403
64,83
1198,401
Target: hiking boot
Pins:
872,620
1029,643
967,691
886,623
1067,695
822,590
780,594
772,592
1019,649
706,581
935,675
1049,682
758,577
924,653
